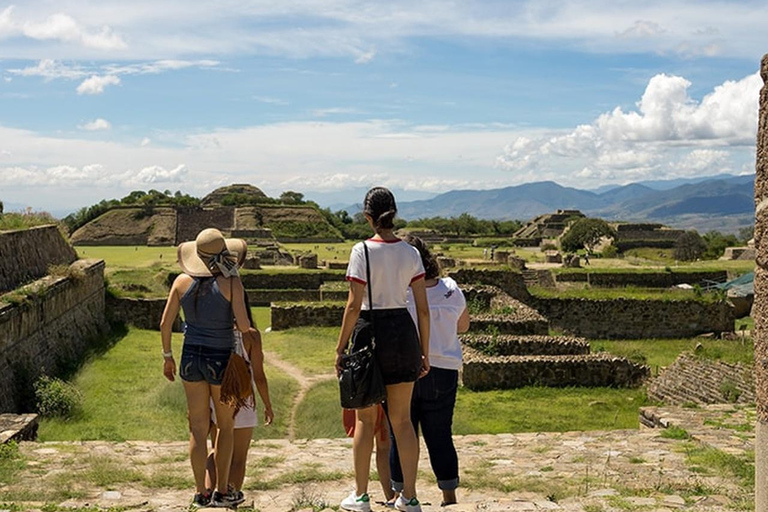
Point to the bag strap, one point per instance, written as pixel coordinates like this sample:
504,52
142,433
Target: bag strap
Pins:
368,284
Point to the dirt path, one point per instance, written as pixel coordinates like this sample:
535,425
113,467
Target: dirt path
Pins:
306,382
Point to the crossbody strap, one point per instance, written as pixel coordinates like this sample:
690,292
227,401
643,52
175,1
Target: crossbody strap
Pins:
370,293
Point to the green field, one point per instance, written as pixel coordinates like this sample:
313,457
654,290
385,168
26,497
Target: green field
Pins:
126,397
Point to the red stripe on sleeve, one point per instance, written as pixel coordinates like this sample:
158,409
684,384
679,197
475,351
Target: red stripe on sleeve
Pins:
355,279
420,276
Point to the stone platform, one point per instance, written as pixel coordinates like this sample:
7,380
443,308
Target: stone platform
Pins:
604,471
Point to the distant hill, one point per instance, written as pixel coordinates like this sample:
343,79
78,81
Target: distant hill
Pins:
696,204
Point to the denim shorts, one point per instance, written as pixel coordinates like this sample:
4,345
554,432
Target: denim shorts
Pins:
199,363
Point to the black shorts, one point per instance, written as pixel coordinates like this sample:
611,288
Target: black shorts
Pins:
398,350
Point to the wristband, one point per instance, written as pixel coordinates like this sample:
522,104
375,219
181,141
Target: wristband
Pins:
168,355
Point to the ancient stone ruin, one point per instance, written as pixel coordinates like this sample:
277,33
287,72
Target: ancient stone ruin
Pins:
549,225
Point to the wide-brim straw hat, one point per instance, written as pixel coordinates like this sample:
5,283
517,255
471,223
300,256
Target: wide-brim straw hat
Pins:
209,242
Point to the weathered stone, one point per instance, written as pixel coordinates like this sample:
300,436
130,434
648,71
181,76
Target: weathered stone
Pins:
141,313
510,282
26,255
18,427
285,316
641,279
694,380
50,329
633,318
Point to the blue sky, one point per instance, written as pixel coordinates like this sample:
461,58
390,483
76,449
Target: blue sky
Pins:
98,98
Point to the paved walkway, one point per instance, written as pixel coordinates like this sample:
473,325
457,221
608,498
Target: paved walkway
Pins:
574,471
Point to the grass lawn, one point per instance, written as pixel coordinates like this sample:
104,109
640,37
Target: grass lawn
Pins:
319,414
312,349
660,353
125,396
333,252
130,256
581,291
540,409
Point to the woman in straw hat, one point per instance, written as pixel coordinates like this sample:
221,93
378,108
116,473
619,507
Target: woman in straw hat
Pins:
210,293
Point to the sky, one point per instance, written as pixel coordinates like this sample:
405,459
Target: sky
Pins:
329,97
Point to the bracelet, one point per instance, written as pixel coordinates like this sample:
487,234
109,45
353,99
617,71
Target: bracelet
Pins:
168,355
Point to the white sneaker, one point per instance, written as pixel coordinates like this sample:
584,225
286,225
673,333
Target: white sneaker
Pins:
411,505
357,503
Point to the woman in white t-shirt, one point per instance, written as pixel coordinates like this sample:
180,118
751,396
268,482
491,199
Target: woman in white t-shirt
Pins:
401,352
434,396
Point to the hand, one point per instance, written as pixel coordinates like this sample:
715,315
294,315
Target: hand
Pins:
268,416
424,366
339,358
169,368
255,333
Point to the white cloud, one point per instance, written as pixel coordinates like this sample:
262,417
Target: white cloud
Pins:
50,69
158,174
96,84
366,57
160,66
61,28
642,29
669,134
324,112
146,141
352,29
96,125
271,101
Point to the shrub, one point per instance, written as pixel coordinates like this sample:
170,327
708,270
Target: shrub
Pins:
56,398
548,247
610,252
690,246
585,234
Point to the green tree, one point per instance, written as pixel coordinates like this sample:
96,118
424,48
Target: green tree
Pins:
586,233
291,197
716,243
690,246
746,234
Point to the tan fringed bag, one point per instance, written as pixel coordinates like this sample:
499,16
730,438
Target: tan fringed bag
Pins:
236,385
237,382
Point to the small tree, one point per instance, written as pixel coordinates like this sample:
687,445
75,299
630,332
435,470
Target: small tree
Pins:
1,207
291,197
586,234
689,246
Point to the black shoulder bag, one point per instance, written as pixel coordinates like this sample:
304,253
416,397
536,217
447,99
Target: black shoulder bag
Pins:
361,384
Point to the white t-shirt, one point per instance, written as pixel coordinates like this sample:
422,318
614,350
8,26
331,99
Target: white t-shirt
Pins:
446,304
394,266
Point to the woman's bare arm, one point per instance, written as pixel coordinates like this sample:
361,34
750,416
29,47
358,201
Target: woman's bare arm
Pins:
170,313
463,324
419,291
238,305
256,355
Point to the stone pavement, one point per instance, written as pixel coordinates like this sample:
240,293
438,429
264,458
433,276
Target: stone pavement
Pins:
571,471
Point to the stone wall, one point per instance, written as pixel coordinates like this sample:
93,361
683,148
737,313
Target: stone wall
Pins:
693,380
641,279
508,281
309,280
323,314
483,372
265,297
141,313
506,345
635,318
190,221
25,255
49,331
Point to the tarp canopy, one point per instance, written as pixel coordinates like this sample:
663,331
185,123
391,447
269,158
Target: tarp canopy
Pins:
741,286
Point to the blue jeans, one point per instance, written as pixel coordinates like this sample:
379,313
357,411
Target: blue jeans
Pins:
434,398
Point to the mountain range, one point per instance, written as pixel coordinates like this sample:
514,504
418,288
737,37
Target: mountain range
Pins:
723,202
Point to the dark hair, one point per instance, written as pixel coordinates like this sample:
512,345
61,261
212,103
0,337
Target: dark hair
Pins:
431,267
380,205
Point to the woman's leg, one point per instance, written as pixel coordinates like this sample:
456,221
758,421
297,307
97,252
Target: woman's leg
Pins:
198,404
383,446
210,464
224,441
399,409
362,446
239,456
